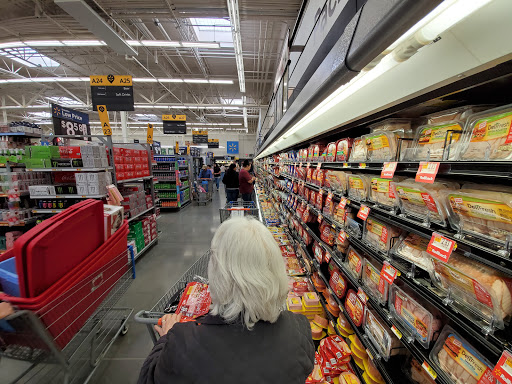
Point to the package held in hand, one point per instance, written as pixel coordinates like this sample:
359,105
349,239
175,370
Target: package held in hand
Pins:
194,302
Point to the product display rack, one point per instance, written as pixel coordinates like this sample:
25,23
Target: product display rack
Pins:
173,171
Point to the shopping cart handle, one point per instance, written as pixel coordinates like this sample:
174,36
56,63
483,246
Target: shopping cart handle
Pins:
146,317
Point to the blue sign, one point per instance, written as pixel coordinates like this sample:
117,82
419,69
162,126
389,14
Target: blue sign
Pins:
69,114
232,147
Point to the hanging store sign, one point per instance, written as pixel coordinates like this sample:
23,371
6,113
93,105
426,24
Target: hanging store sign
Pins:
200,137
149,137
67,121
213,143
105,122
116,92
175,124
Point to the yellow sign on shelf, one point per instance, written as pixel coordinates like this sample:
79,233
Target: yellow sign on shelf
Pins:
149,138
105,122
111,81
174,117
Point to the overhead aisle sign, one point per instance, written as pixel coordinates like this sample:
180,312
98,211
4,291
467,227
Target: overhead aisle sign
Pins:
149,138
105,121
114,91
67,121
199,137
213,143
175,124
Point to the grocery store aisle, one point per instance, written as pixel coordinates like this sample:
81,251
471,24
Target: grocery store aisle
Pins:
184,237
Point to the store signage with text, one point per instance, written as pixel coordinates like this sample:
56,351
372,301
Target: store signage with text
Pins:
199,137
114,91
427,172
440,247
174,124
104,120
503,370
213,143
67,121
149,138
364,211
388,170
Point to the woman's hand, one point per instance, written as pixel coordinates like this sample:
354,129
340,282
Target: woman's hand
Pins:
5,310
168,322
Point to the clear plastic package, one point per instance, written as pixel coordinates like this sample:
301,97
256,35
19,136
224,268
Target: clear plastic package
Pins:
399,125
423,320
488,135
382,193
354,307
424,201
413,248
358,187
337,181
375,286
380,235
359,150
343,148
353,262
460,362
331,152
381,146
381,336
415,372
480,290
485,212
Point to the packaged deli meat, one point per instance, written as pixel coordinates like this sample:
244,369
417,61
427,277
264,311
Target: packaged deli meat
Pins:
376,287
424,201
488,135
337,282
459,361
397,125
337,181
423,320
382,192
481,210
415,372
358,187
413,248
359,150
384,140
478,288
354,307
381,336
331,152
343,148
371,374
353,263
380,235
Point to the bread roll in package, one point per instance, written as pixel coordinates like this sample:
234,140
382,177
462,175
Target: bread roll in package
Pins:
481,290
337,181
459,361
488,136
484,211
384,140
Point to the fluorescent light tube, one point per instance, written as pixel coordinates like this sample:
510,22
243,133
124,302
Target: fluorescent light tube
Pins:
221,81
145,80
196,81
200,45
83,43
44,43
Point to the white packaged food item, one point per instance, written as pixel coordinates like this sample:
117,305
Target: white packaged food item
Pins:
480,289
381,146
379,235
481,210
422,320
337,181
359,150
354,263
382,192
358,187
375,286
381,336
397,125
424,201
488,135
413,248
460,361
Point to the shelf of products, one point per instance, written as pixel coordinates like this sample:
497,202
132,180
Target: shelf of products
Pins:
173,182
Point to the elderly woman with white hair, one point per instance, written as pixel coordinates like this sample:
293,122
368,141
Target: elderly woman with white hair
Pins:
248,336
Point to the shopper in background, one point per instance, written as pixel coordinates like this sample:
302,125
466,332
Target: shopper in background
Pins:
246,181
232,183
222,171
216,174
205,176
247,337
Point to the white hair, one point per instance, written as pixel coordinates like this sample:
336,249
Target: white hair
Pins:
247,273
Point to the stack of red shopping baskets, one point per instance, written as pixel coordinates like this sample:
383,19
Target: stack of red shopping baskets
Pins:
66,269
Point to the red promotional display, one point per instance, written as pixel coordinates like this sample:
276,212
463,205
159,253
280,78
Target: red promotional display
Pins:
427,172
440,247
503,370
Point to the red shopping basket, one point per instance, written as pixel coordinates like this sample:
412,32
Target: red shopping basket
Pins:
67,304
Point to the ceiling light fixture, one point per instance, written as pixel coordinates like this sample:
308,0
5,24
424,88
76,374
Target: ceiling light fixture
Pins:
237,41
86,79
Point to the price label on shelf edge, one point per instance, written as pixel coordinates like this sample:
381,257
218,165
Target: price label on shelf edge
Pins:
388,170
363,213
396,332
427,172
440,247
503,370
320,218
429,370
388,273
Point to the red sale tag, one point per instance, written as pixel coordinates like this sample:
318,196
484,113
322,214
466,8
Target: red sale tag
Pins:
503,370
327,257
342,237
343,203
440,247
320,218
363,213
427,172
388,170
388,272
362,296
319,165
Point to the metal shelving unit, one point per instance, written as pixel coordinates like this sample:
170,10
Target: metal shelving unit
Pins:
174,166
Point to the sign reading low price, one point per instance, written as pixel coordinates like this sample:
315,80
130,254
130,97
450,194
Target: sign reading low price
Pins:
440,247
427,172
388,170
363,213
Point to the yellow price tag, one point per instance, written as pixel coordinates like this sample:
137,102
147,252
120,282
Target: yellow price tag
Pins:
429,370
396,332
105,122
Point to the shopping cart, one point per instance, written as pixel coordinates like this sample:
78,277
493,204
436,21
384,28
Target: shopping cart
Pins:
64,333
238,209
169,302
204,190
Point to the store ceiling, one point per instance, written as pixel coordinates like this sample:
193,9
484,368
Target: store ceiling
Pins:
263,27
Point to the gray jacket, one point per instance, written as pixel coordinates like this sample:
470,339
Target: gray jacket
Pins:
210,351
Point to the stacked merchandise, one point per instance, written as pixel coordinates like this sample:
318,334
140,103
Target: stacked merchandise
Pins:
131,163
143,233
135,201
21,127
12,148
172,185
426,259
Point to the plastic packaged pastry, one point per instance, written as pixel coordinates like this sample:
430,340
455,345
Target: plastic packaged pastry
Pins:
482,212
354,307
358,187
488,135
380,235
460,361
413,248
480,289
423,320
376,287
343,148
381,336
359,150
382,192
354,263
331,152
424,201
